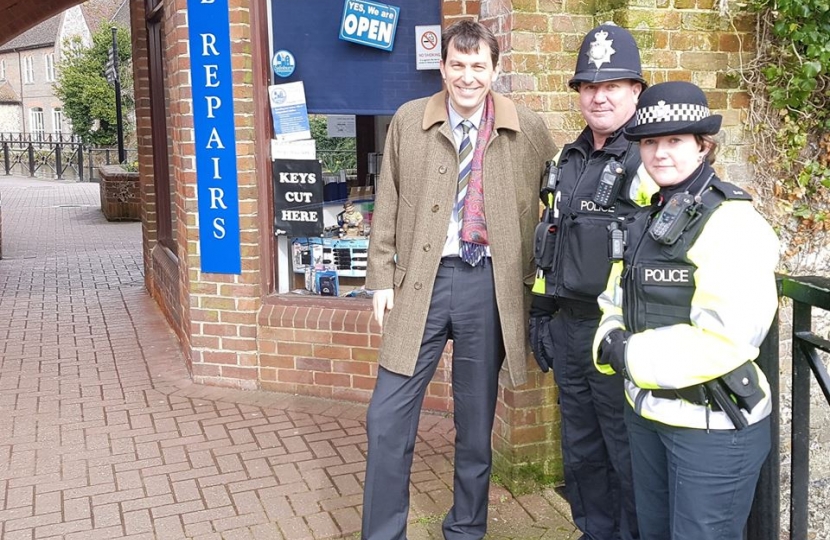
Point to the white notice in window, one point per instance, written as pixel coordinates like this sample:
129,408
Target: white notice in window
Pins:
340,125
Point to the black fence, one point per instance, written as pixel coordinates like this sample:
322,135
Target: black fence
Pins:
806,293
55,156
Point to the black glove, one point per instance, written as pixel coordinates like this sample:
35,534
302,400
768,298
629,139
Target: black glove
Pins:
612,350
541,341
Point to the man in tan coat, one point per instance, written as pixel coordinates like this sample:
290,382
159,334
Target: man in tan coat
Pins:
450,258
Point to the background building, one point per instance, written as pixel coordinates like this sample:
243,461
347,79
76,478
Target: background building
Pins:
29,64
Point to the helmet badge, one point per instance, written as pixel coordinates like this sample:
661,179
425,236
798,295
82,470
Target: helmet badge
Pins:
600,50
662,111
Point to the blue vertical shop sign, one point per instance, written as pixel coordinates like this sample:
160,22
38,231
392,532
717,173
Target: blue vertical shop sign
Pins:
215,138
369,23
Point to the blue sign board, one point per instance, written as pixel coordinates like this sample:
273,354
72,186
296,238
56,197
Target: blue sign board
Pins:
215,137
369,23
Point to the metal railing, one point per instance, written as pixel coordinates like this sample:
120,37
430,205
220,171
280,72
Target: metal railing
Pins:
95,157
55,156
38,137
806,293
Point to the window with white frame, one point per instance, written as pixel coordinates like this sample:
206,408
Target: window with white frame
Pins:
36,123
49,63
57,121
28,70
2,70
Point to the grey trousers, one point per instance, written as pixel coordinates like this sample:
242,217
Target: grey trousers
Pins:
463,309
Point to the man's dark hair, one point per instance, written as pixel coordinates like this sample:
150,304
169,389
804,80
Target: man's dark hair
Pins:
466,36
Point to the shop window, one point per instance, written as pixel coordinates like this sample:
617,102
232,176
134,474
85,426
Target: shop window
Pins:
360,88
334,263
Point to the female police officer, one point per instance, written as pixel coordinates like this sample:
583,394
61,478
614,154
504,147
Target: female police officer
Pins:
688,303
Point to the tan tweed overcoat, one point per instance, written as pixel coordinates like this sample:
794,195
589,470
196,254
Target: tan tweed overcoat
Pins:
416,192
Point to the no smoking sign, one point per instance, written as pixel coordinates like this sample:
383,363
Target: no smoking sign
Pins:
429,40
427,47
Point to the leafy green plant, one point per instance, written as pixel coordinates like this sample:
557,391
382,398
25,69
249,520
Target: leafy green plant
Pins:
130,166
336,153
791,101
88,99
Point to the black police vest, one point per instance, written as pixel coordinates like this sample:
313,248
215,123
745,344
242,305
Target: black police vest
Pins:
580,255
658,280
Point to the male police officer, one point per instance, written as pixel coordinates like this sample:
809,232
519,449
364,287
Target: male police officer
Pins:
592,183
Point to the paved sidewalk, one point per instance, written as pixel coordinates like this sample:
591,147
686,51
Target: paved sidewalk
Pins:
102,434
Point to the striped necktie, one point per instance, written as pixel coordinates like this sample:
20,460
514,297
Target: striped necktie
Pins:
465,167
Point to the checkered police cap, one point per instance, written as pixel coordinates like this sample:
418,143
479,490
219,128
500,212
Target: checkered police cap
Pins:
676,112
673,108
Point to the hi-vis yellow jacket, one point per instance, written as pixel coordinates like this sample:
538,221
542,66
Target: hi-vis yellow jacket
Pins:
732,307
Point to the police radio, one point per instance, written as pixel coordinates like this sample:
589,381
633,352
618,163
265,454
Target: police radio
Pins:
544,236
551,177
677,216
548,192
616,241
610,182
673,219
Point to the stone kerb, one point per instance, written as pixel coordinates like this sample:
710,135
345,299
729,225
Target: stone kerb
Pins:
120,193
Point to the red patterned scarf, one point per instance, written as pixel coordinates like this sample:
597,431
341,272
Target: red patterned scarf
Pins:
473,226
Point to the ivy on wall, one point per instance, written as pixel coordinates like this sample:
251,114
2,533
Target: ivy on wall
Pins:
790,117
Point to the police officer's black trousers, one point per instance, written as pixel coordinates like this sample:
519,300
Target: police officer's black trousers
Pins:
463,309
595,451
694,484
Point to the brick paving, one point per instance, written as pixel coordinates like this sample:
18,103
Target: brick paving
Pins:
102,434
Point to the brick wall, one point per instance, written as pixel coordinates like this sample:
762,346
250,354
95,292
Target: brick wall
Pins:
39,93
693,42
680,40
220,310
526,440
329,349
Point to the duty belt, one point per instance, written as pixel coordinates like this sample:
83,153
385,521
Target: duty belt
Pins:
694,394
738,389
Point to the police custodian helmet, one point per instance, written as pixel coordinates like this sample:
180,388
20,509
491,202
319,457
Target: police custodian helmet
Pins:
608,53
673,108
